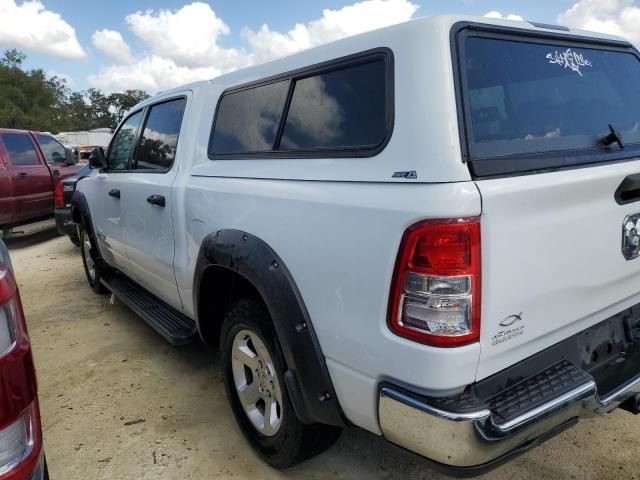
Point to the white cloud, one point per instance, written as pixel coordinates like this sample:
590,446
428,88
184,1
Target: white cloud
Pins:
496,14
30,26
184,44
616,17
334,24
188,36
113,45
152,73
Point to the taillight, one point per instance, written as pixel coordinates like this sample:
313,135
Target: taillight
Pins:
9,314
435,294
58,196
20,431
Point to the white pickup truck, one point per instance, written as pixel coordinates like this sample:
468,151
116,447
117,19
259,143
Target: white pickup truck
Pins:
428,231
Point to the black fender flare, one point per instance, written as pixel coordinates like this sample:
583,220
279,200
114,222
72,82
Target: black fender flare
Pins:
81,215
307,377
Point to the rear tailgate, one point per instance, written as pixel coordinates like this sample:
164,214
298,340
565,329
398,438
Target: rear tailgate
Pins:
538,111
551,254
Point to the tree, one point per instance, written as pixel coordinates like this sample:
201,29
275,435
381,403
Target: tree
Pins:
30,100
13,59
98,113
26,99
125,101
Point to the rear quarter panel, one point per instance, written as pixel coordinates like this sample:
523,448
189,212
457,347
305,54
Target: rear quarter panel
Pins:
339,240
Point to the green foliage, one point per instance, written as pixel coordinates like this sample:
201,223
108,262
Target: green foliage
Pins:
13,58
31,101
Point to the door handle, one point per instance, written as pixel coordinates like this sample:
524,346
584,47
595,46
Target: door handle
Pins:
156,200
23,174
115,193
56,173
629,190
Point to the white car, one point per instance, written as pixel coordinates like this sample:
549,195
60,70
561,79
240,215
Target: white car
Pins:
428,231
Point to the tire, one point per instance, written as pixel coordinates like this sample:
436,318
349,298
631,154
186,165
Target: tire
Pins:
45,475
75,239
91,269
253,363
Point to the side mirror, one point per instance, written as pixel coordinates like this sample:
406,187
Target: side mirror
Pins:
97,159
70,157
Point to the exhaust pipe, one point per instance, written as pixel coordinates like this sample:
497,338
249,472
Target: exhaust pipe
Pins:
632,405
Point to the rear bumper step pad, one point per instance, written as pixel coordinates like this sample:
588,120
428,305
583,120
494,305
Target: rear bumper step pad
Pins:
466,435
537,390
586,374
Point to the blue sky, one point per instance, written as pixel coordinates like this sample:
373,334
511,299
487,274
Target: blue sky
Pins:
281,16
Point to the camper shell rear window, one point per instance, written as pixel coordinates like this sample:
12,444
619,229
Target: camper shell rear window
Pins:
534,102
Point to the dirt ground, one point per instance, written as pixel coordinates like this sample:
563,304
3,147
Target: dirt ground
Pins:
118,402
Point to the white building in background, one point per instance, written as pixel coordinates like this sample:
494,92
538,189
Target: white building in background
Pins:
98,137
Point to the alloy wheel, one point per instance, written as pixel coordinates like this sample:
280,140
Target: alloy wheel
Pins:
256,382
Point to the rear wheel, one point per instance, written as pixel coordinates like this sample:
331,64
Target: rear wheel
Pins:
91,269
75,239
253,372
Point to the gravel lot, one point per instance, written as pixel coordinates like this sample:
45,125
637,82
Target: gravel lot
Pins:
118,402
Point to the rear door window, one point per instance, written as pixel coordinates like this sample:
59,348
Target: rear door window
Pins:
20,149
539,104
159,139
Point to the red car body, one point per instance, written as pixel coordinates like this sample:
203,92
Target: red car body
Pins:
21,451
31,166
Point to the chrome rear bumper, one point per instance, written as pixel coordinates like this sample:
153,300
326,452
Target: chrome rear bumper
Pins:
466,437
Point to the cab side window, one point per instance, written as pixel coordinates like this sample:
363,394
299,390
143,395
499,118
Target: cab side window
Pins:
121,148
248,120
53,151
20,149
159,140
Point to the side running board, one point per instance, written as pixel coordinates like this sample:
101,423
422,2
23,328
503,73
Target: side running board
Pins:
175,327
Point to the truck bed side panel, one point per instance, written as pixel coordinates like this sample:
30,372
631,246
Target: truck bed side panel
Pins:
339,240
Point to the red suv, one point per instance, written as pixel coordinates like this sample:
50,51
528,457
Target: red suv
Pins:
21,452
